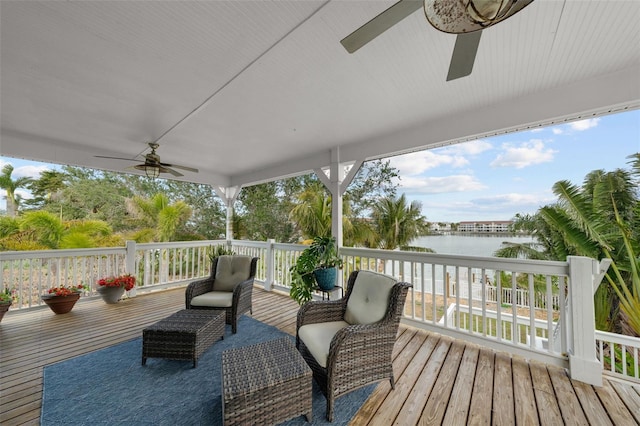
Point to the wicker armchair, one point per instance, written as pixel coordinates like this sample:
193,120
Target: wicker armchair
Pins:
230,287
348,342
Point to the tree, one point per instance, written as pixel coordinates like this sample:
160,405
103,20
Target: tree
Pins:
49,231
396,222
46,189
157,214
599,219
10,186
263,212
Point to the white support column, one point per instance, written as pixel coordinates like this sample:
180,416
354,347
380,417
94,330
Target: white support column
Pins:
228,195
583,363
270,265
130,264
337,184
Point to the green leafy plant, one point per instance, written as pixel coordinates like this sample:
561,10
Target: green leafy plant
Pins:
220,250
5,296
322,253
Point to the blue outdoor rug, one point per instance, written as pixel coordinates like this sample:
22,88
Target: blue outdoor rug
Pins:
111,387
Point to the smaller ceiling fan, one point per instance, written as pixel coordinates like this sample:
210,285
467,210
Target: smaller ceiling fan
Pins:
152,166
466,18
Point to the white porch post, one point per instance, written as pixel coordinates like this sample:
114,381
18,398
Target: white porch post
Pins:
583,363
270,265
337,183
228,195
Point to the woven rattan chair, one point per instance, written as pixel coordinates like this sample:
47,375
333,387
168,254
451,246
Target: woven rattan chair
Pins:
230,287
348,342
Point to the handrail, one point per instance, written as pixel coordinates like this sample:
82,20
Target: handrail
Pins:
498,292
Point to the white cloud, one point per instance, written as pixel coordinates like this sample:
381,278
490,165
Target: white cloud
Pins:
557,131
523,155
537,130
416,163
467,148
584,124
31,171
440,185
512,199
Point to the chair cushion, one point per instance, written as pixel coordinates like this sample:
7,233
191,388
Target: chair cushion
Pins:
369,298
230,271
214,299
317,338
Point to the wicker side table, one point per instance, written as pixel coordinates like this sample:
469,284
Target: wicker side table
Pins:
184,335
266,383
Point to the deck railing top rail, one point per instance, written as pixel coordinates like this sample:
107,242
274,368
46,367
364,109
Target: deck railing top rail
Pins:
531,287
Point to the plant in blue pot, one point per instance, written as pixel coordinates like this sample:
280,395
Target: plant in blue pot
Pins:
317,264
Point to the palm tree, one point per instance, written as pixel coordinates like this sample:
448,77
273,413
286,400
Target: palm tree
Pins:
312,215
313,212
396,222
51,232
10,186
598,220
158,217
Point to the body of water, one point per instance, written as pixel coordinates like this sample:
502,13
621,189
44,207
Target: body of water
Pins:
470,245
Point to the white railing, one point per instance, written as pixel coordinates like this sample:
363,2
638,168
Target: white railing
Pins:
442,280
439,281
619,355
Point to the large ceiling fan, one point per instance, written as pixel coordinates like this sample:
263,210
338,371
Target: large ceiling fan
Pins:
152,166
467,18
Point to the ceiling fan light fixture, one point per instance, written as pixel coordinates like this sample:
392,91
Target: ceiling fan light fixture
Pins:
463,16
152,171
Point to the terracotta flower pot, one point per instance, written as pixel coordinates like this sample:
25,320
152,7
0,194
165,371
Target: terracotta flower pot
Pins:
61,304
110,294
4,307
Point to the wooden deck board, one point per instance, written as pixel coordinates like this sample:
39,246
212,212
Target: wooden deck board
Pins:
481,408
444,379
523,394
503,397
630,397
458,408
545,398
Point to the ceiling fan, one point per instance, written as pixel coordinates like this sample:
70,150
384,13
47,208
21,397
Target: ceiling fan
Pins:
467,18
152,166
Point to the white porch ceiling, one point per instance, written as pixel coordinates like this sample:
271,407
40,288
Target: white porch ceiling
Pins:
268,91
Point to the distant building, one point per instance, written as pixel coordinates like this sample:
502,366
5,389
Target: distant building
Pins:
440,226
489,226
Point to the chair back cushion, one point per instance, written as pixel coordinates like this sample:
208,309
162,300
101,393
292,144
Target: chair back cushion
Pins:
230,271
369,298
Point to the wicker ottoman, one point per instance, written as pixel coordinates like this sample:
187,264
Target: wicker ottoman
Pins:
183,335
266,383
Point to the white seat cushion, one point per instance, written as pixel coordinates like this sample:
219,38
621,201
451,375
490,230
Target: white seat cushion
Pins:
230,271
317,338
369,298
214,299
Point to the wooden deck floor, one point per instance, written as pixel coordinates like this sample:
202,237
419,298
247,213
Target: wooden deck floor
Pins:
439,380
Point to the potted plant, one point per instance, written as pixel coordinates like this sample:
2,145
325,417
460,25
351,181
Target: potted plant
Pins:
112,288
6,299
317,264
62,299
219,250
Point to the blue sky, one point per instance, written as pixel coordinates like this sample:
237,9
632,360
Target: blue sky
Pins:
497,177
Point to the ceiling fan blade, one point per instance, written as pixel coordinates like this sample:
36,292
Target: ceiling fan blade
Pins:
380,24
464,54
168,170
190,169
115,158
